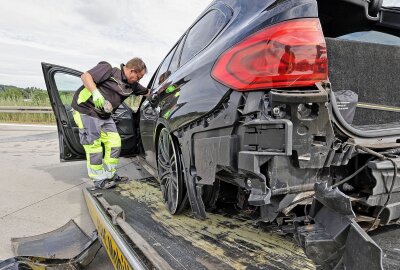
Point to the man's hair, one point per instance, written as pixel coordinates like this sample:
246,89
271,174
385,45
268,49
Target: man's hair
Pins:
136,64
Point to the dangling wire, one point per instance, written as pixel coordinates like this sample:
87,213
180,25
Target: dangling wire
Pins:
344,180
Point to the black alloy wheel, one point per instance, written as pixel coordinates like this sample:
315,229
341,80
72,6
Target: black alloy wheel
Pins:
170,173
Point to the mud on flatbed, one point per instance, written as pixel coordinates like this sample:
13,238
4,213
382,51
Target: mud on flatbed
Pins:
220,242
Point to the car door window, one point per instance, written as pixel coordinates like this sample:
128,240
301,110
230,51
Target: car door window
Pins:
163,72
175,59
202,33
67,85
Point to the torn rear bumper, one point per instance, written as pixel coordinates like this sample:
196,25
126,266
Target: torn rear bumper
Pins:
333,239
65,248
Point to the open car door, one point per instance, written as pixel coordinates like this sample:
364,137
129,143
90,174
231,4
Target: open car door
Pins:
62,83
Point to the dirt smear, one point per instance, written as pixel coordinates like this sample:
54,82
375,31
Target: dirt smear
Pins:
236,242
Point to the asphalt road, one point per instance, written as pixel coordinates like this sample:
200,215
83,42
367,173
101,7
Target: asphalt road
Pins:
39,194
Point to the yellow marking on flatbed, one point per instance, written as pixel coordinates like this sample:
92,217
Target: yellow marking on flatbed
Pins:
233,241
115,254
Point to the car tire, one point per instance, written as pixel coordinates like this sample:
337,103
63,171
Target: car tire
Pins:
170,172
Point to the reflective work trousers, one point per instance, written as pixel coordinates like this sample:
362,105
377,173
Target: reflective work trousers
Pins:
93,132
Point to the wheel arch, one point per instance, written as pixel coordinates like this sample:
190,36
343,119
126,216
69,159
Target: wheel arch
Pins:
159,127
161,123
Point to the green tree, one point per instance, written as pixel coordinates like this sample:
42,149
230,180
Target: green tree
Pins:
40,97
13,93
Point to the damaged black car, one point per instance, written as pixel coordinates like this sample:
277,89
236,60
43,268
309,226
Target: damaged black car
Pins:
289,108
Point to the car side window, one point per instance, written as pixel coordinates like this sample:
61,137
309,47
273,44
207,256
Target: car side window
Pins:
175,59
163,72
202,33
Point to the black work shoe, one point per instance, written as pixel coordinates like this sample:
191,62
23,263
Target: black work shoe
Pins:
117,178
104,184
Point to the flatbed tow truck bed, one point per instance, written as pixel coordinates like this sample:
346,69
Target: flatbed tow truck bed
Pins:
141,234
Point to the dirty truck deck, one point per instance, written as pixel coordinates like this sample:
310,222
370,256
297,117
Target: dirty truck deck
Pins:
182,242
141,234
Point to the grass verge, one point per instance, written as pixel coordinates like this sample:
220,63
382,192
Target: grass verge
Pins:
28,118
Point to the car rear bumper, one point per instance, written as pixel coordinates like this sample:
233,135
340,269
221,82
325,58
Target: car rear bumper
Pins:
291,130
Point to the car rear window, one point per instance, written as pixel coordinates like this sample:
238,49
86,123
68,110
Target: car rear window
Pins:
202,33
373,37
391,3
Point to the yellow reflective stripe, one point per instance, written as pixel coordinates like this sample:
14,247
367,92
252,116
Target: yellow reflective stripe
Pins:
111,161
95,167
78,119
84,95
112,138
95,147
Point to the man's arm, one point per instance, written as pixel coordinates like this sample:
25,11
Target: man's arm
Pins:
97,75
88,82
141,90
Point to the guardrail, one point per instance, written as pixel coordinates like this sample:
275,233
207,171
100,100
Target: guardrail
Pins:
25,109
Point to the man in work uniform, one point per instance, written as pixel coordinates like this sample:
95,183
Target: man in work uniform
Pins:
105,89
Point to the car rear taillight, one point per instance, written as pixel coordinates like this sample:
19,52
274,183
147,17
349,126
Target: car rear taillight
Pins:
288,54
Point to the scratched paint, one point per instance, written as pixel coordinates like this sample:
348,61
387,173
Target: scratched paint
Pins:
234,241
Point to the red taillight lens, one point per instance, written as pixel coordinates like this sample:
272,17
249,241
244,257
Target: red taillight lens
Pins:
288,54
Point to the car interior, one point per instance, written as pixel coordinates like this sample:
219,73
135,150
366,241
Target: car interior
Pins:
369,54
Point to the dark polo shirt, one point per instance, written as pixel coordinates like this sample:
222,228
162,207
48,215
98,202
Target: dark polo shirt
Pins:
114,87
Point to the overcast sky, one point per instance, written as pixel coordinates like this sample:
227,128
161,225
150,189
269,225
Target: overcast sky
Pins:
79,34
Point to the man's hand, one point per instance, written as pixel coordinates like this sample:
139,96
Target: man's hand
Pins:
148,93
98,99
